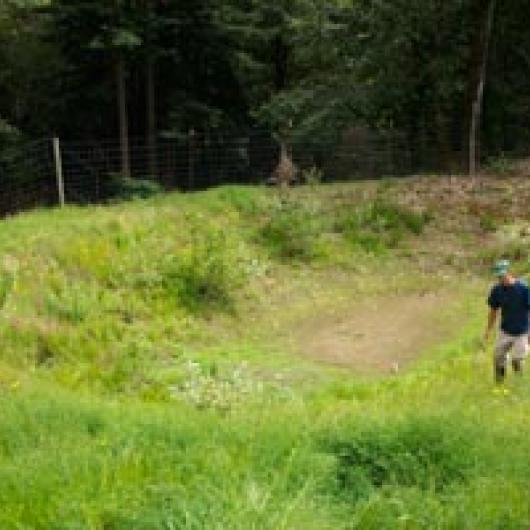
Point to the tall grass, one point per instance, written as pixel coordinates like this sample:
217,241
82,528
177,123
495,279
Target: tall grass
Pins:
204,274
367,460
294,230
291,230
379,225
67,463
123,405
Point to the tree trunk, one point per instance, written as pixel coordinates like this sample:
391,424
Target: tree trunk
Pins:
150,99
191,159
439,108
478,92
123,119
122,114
151,115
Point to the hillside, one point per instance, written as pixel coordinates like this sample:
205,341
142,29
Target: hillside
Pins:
238,359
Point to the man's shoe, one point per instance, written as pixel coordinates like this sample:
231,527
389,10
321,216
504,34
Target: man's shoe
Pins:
517,366
500,374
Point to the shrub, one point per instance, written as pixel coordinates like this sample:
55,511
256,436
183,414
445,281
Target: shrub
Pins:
500,165
291,231
120,188
204,275
426,454
380,225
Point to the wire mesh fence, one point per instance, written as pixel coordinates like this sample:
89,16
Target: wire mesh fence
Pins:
203,159
27,177
92,170
191,162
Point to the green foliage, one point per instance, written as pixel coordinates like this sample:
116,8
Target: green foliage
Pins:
205,274
243,199
27,59
312,176
488,222
14,166
211,388
511,243
500,165
294,229
379,225
129,467
9,136
68,301
315,70
517,252
7,280
121,188
291,231
427,454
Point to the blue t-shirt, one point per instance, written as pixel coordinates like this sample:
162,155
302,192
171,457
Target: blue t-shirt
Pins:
514,303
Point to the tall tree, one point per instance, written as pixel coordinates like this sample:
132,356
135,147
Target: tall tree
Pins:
485,10
115,43
150,83
26,62
94,36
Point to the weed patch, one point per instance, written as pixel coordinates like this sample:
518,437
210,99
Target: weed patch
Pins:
70,302
7,281
206,274
291,230
215,389
513,247
120,188
426,454
488,223
380,225
245,200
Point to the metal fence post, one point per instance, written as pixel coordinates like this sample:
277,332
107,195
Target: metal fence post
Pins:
58,170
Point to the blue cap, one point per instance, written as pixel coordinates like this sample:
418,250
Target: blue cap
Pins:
501,267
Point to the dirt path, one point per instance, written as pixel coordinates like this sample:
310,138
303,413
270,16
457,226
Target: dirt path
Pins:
378,336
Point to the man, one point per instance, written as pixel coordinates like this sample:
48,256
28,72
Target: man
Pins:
512,297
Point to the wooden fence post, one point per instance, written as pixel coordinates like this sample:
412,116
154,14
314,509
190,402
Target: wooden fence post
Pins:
58,170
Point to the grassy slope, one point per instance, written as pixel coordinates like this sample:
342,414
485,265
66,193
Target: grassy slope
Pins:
144,382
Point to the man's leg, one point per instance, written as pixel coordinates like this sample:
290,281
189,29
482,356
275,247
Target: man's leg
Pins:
504,343
520,352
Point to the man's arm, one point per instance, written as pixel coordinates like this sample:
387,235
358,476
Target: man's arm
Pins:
492,318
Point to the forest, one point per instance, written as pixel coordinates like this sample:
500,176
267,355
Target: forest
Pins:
446,80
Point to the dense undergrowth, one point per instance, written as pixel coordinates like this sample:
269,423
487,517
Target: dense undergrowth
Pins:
137,392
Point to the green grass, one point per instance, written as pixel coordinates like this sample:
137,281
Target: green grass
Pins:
350,455
144,384
379,225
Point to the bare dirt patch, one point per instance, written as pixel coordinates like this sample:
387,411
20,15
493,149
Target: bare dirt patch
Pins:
379,335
